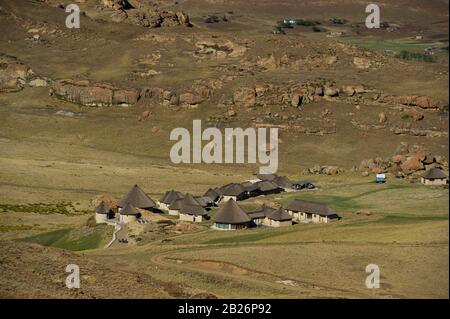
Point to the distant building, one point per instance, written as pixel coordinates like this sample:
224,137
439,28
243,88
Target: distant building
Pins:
311,212
380,178
282,181
233,191
268,188
204,201
231,217
434,176
168,198
271,217
278,218
193,213
138,198
103,212
258,215
129,213
177,205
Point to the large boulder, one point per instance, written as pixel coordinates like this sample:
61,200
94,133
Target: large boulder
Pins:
296,99
331,91
382,118
189,99
13,74
412,164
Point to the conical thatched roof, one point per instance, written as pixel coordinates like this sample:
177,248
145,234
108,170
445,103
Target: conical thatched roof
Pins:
190,200
137,198
129,209
279,215
177,204
186,200
170,196
231,213
434,173
103,208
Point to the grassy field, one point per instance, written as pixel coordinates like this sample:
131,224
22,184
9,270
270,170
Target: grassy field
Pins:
71,239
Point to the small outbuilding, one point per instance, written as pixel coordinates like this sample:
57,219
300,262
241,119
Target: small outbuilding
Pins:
311,212
231,217
138,198
278,218
259,215
233,191
268,188
193,213
434,176
129,214
103,213
177,205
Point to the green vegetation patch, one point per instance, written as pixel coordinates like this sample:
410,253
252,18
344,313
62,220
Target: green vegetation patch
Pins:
407,55
65,239
335,202
7,228
257,235
64,208
48,238
396,220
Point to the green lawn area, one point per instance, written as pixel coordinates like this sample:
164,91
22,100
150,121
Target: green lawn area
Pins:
63,238
379,44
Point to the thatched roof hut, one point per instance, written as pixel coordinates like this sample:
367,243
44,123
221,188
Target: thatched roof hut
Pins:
232,214
138,198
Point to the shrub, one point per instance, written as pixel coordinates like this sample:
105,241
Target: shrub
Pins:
406,55
318,29
212,19
335,20
306,22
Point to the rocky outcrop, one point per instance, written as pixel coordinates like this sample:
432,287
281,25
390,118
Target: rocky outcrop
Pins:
145,14
245,96
93,94
325,170
407,160
423,102
362,63
218,48
14,75
435,132
286,94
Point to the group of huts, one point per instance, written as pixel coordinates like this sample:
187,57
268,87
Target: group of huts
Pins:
231,216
